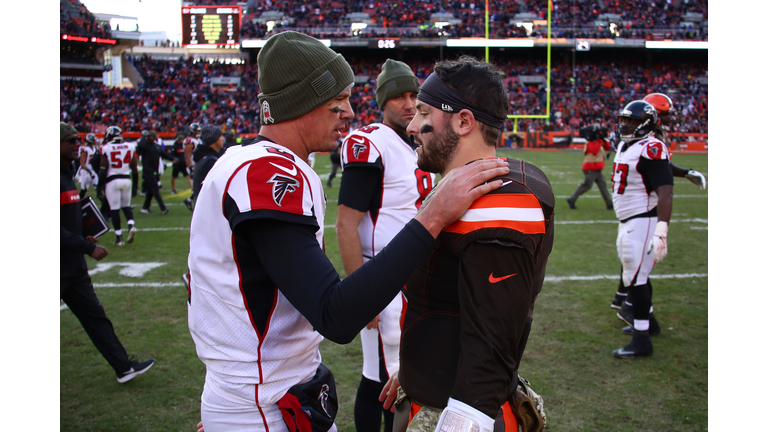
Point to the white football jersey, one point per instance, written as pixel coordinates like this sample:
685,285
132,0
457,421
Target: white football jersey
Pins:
194,141
630,196
404,185
88,150
254,343
119,156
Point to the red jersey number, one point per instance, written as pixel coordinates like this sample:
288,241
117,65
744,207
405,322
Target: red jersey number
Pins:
423,184
117,162
622,170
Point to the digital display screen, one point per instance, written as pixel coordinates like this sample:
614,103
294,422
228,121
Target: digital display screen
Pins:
210,25
383,43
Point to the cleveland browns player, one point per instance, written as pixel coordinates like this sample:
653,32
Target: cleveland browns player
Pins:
470,301
381,190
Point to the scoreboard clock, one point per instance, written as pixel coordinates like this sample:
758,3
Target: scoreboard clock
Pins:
384,43
210,25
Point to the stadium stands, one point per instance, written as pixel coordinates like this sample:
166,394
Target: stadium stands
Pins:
635,19
179,92
75,19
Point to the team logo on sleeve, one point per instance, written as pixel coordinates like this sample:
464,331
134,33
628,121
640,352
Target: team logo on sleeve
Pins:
655,151
282,184
358,146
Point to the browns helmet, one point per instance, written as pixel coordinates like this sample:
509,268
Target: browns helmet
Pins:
664,107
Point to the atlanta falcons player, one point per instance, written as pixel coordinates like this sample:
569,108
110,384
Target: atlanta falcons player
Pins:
86,174
191,142
665,109
118,160
381,190
642,200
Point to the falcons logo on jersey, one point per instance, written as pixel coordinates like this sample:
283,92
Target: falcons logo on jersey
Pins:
281,185
358,146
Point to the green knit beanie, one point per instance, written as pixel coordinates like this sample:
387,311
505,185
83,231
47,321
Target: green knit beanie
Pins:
298,73
395,78
66,130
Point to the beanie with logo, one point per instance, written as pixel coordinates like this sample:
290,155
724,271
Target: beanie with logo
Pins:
298,73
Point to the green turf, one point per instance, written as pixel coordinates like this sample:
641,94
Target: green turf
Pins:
568,359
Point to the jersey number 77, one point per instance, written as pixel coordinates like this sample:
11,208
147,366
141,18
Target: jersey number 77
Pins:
622,170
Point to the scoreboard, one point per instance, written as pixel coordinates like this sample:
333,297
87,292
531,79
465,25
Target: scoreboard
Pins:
210,25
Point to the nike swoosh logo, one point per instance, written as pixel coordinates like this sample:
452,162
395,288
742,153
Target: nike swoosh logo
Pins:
492,279
357,140
629,231
286,170
506,183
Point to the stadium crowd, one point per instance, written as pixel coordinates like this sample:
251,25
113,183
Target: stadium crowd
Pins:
176,93
642,19
75,19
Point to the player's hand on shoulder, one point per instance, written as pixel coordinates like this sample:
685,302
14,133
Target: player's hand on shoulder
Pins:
99,253
458,190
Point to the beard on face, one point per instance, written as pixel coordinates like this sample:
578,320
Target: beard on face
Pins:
442,149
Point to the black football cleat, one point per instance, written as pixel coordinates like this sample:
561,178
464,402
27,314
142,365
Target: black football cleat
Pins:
131,234
626,313
617,301
571,204
640,346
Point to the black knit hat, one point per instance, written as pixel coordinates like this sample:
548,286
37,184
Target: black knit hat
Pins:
210,135
298,73
395,78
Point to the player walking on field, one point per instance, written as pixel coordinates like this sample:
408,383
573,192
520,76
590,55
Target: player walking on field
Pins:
118,161
86,175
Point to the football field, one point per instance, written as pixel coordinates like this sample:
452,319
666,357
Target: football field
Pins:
568,358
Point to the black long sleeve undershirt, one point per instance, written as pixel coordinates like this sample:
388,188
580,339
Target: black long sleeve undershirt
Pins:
337,309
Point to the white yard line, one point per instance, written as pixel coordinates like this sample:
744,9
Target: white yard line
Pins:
599,196
616,277
577,222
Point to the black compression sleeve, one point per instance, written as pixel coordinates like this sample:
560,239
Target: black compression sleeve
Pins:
300,269
656,172
358,185
677,171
